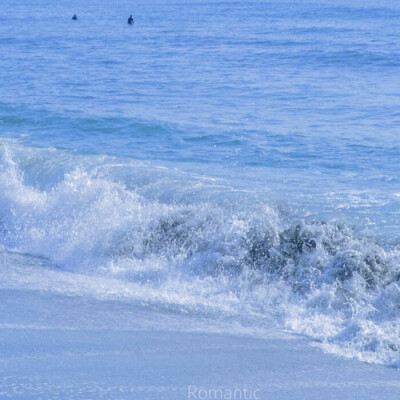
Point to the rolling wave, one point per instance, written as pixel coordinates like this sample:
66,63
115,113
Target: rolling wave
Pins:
207,248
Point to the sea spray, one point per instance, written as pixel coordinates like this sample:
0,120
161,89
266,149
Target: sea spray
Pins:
242,261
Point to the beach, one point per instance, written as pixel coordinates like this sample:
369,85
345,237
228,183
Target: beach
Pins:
90,356
199,199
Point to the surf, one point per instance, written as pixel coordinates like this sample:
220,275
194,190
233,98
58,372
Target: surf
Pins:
201,252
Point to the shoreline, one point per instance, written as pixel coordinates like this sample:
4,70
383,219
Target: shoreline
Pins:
137,361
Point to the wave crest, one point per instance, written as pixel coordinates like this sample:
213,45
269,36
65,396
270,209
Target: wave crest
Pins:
326,279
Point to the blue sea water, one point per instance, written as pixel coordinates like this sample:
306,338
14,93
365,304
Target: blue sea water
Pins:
235,159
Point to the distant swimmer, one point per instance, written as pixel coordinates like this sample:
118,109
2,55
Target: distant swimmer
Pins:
130,20
75,18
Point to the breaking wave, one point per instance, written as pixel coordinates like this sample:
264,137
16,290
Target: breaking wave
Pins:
197,243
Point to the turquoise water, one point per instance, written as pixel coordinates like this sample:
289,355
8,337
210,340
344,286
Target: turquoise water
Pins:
216,154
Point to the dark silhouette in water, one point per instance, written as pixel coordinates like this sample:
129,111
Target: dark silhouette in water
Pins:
75,18
130,20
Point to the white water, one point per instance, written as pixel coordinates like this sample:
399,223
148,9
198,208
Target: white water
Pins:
95,226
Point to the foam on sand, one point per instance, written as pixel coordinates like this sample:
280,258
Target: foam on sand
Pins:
96,226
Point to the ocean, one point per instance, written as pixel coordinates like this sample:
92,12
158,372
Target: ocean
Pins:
235,164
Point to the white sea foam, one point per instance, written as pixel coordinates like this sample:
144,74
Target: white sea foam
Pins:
103,227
